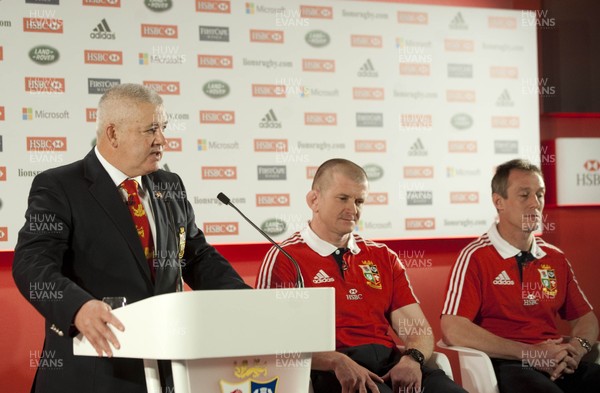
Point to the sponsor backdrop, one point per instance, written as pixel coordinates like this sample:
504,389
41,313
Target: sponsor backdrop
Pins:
427,99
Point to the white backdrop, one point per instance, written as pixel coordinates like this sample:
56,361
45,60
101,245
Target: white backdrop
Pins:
427,99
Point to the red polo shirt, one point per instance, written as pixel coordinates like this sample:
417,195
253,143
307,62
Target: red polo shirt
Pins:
372,285
485,286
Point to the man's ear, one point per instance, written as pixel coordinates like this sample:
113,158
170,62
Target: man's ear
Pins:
312,200
110,132
498,201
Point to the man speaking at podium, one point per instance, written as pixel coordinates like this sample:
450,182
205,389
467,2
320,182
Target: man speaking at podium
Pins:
119,227
372,293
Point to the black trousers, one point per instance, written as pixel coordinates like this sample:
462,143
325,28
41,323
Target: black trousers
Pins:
380,359
513,377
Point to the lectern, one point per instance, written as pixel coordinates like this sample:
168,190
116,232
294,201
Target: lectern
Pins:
241,341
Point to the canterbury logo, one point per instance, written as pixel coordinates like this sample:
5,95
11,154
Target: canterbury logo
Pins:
322,277
503,279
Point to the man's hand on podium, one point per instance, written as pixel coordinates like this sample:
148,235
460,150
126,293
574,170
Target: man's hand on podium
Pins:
92,321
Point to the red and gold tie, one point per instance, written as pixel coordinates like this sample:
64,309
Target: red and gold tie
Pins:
140,219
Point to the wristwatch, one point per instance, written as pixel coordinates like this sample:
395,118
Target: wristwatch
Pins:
584,343
415,354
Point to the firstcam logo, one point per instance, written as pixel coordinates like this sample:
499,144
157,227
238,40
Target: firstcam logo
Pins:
101,85
367,70
103,32
221,228
270,120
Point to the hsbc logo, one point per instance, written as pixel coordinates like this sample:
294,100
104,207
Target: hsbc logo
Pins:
318,65
91,114
159,31
414,18
370,146
418,172
35,143
368,93
214,6
2,173
102,57
173,144
416,224
272,200
464,197
267,36
504,72
103,3
217,117
215,61
320,119
502,22
43,25
505,122
219,172
416,69
453,45
277,91
2,116
591,165
462,146
44,85
366,41
270,145
3,234
460,95
169,88
311,171
377,198
309,11
220,228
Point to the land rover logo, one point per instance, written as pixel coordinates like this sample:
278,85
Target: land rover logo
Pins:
374,172
43,54
159,5
317,38
461,121
274,226
215,89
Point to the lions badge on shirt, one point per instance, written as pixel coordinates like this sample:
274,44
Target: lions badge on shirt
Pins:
369,270
548,279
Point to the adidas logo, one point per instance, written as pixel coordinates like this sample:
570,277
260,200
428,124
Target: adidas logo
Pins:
417,149
322,277
458,23
504,99
270,120
368,70
503,279
102,31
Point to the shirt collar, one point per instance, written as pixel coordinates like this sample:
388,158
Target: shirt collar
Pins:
507,250
322,247
116,175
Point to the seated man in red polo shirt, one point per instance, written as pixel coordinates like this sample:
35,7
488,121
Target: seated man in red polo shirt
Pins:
372,293
507,288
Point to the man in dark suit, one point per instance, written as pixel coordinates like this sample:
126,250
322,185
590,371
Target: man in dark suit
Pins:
112,224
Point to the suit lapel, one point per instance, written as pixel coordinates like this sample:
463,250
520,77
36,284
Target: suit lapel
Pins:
107,195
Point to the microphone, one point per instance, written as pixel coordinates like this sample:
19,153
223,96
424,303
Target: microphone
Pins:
226,201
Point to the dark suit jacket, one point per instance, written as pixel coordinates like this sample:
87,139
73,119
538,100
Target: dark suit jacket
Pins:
79,243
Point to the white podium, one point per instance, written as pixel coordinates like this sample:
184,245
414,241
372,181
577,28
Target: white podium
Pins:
241,341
